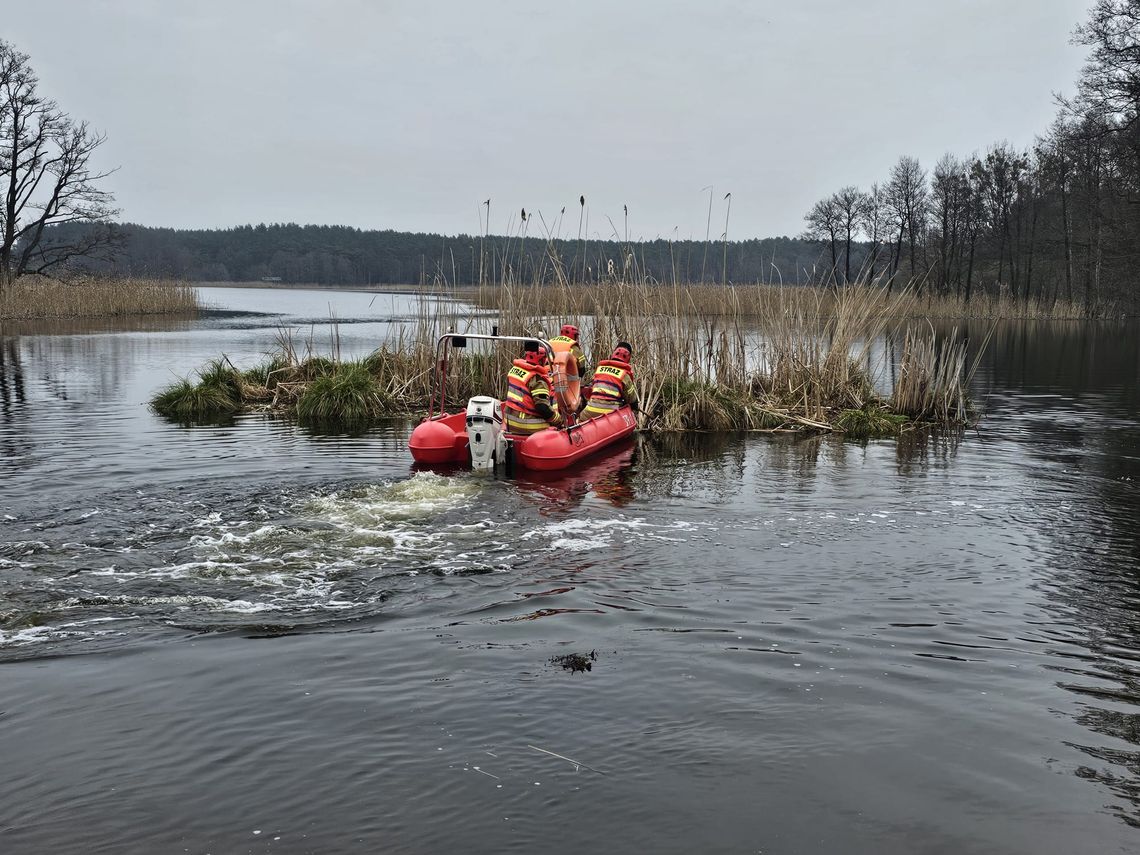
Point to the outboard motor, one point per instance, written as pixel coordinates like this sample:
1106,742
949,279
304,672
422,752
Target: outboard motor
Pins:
485,436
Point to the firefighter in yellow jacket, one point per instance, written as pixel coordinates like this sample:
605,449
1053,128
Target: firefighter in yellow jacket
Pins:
570,361
530,405
567,340
613,384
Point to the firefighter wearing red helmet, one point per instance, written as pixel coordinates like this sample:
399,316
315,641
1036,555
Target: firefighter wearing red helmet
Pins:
613,385
530,405
566,342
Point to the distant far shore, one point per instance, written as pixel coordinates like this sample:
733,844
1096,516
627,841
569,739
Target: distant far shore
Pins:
313,286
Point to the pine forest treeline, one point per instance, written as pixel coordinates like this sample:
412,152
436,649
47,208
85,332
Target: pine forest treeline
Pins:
341,255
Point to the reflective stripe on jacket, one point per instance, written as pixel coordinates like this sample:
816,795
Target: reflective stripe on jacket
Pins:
523,381
524,425
527,385
612,386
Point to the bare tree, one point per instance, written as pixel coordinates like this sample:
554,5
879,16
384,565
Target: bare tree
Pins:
824,225
873,225
46,177
948,197
907,197
1054,152
849,204
998,177
973,221
1110,82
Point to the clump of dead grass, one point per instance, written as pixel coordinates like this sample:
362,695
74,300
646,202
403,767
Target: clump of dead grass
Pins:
32,297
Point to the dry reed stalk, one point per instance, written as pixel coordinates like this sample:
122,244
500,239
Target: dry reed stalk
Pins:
763,300
931,381
39,297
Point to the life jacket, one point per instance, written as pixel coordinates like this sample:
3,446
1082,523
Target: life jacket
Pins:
610,380
519,379
563,344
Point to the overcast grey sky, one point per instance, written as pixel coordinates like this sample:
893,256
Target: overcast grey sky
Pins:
407,114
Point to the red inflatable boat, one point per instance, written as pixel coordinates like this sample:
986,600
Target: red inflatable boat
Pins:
476,435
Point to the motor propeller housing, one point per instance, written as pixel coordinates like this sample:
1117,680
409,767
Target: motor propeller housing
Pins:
485,437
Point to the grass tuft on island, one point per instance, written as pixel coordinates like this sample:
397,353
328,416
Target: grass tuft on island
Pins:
191,403
808,368
870,421
38,297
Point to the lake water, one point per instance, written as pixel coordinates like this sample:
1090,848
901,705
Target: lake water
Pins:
254,639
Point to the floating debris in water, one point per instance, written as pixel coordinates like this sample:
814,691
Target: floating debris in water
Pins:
575,662
578,764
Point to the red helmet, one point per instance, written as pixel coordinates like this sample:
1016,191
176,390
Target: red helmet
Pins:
621,353
536,356
570,331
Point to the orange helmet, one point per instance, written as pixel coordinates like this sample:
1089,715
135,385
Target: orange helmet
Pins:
622,352
536,356
570,331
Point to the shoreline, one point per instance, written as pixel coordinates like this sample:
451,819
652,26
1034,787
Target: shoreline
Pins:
406,290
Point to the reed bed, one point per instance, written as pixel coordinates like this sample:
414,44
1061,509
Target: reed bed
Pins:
1005,307
812,361
33,297
766,301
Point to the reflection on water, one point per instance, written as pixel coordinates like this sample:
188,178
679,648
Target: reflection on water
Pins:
95,326
15,435
917,452
1069,394
604,477
803,644
11,376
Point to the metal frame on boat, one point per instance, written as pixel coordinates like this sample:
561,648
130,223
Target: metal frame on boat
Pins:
462,437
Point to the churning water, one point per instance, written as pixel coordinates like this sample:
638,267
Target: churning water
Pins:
249,638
